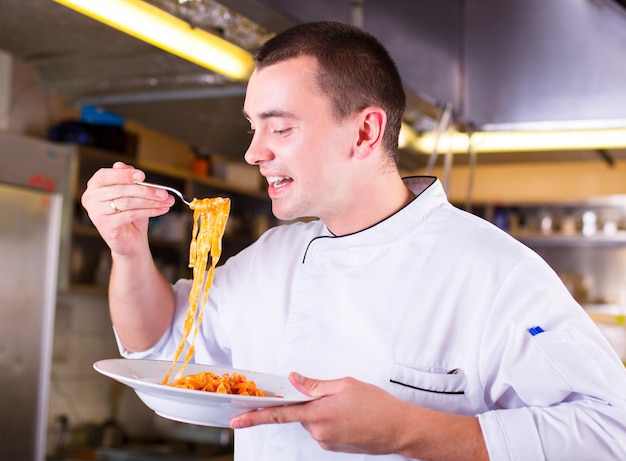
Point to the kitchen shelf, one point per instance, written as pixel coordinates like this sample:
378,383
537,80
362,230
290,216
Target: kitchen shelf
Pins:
607,314
577,240
88,289
87,231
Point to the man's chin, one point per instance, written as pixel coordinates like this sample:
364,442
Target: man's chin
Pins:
285,215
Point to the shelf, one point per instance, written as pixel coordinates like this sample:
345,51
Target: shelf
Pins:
158,241
90,231
534,239
606,314
87,289
85,231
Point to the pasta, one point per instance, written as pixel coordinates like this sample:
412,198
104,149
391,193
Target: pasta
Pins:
224,384
209,222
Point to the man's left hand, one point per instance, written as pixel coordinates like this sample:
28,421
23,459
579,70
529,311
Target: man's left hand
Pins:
347,415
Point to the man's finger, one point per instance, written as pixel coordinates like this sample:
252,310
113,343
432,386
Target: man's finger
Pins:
119,174
316,388
272,415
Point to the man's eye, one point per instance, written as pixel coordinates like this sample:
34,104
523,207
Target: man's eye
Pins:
283,131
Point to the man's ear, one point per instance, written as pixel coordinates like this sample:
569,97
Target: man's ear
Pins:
371,129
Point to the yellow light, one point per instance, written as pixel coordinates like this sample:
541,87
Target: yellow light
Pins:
161,29
407,136
525,141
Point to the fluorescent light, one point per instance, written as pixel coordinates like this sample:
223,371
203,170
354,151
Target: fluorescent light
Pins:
524,141
407,136
159,28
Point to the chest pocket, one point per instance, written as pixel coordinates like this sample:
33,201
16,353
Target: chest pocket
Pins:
432,388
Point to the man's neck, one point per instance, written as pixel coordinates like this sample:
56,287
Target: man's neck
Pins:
371,206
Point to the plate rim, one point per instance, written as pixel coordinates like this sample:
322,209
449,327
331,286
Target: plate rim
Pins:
274,399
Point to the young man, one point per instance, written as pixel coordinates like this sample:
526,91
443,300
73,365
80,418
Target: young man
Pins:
412,321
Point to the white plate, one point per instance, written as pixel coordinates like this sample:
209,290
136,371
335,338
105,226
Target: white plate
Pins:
191,406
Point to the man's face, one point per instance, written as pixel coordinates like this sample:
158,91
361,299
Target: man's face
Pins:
298,145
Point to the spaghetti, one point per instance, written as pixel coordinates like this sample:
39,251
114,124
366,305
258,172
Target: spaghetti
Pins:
209,222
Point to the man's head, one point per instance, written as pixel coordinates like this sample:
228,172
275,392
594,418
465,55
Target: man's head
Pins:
354,70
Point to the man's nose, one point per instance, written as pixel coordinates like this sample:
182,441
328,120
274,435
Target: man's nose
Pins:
258,151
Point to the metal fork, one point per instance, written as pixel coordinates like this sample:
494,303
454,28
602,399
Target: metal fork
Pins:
170,189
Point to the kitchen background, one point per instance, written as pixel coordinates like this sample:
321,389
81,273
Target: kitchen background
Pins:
488,64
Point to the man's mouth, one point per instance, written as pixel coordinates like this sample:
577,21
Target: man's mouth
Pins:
278,181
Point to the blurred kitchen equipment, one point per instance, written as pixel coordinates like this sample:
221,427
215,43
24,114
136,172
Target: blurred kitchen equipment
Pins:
589,223
546,222
30,236
444,125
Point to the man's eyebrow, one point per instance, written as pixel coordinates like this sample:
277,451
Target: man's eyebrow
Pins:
273,114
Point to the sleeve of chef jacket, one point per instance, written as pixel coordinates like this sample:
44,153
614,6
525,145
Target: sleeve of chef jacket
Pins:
558,395
207,345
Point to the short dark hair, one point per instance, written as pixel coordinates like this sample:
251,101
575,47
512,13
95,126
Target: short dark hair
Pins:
355,69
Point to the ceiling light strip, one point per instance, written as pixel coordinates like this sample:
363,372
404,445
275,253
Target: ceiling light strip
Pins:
524,141
161,29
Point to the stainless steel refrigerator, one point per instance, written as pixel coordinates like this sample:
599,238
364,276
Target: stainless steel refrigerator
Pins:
34,178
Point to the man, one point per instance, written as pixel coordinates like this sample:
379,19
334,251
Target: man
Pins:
423,331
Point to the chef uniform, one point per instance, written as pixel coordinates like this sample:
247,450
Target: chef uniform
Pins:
436,306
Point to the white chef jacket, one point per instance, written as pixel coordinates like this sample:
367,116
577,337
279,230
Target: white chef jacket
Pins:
402,304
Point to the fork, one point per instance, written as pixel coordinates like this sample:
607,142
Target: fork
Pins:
170,189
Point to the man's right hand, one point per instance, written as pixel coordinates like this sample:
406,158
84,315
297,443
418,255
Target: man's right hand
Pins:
120,208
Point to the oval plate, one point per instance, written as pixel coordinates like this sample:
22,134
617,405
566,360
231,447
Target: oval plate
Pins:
192,406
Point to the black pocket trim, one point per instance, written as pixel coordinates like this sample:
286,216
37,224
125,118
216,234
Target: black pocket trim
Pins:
429,379
427,390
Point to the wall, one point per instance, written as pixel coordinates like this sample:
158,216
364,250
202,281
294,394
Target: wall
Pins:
29,110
